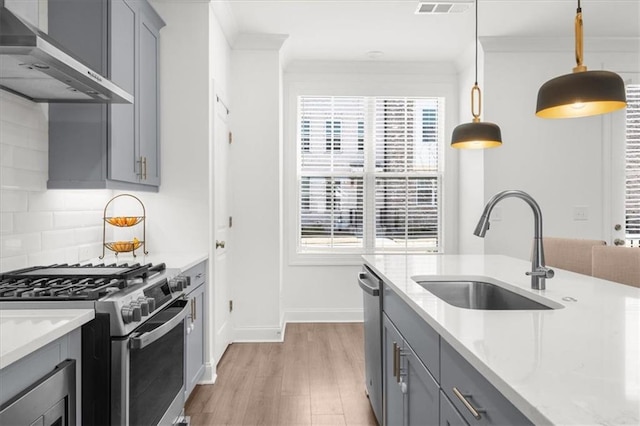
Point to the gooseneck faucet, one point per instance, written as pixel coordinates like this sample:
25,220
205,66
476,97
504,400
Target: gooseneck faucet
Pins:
539,272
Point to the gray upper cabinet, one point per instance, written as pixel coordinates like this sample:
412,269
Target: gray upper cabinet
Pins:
108,146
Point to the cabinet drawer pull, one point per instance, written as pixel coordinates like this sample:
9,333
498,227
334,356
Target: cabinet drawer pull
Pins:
475,412
396,361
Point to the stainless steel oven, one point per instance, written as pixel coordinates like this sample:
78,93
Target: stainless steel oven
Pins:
133,351
147,370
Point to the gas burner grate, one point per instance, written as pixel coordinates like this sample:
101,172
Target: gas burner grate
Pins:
72,282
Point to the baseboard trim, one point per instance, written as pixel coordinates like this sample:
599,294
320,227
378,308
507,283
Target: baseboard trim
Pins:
275,334
259,334
336,315
209,377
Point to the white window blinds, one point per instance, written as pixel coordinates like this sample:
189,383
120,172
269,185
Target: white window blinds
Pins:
632,168
369,174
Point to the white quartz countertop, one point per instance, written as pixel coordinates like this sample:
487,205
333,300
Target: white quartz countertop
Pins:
578,364
23,331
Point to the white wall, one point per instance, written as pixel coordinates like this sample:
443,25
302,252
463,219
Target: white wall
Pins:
255,167
178,215
40,227
558,162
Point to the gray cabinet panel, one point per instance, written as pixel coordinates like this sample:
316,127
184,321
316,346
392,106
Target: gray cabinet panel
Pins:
195,351
148,102
458,373
118,38
121,153
422,398
424,340
393,399
449,416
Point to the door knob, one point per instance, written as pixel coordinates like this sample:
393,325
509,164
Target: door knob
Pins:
617,227
219,244
618,242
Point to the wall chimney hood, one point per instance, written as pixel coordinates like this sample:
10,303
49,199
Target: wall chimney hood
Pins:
34,66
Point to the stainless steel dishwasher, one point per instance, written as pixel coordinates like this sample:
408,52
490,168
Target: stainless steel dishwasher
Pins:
371,286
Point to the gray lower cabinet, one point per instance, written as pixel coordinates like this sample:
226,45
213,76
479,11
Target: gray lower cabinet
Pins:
108,146
412,394
20,377
195,351
427,382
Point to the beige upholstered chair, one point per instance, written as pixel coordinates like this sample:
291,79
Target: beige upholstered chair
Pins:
570,254
619,264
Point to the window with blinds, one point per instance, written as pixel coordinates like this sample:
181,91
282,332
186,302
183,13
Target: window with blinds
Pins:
632,166
369,174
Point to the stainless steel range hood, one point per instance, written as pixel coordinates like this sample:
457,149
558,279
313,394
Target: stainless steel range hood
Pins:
34,66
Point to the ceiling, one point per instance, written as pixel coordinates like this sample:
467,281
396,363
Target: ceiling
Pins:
348,29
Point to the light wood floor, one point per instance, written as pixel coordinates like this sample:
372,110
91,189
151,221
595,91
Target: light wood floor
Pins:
315,377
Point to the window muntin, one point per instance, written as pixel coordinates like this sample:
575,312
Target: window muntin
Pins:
380,190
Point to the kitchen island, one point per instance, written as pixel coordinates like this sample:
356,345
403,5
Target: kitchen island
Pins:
574,364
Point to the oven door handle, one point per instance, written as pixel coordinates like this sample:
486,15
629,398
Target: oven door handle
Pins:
145,339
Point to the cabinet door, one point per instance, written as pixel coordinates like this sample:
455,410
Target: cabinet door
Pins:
122,140
148,106
393,406
422,405
449,416
195,357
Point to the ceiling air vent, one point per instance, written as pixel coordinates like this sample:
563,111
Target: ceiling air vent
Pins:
433,8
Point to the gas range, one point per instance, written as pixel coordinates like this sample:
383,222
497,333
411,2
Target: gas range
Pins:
130,293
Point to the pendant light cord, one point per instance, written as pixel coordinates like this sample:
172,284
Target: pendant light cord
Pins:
476,82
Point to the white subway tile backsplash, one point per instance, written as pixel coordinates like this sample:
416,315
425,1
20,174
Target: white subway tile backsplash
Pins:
12,263
87,200
66,220
47,201
87,235
23,112
25,180
58,239
6,155
13,201
89,251
20,244
67,255
32,222
29,159
40,227
6,223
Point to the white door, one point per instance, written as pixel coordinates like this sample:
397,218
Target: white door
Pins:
221,223
615,225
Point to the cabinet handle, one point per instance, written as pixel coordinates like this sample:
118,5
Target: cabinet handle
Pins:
195,308
475,412
144,168
396,361
220,244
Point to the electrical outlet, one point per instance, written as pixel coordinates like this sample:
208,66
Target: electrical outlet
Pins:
580,213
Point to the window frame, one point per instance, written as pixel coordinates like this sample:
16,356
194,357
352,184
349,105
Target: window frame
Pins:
301,82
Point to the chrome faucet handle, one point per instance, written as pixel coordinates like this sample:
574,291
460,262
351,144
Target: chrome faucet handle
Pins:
543,272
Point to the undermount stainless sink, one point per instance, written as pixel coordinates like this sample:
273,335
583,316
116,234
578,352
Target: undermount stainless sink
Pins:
480,295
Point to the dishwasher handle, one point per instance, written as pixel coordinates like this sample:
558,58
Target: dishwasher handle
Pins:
370,290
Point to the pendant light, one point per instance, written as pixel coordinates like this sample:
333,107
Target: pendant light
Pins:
582,93
476,135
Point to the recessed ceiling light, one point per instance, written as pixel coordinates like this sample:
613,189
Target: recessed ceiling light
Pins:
375,54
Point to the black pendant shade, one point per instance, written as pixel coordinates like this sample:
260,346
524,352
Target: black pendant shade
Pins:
476,135
581,94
